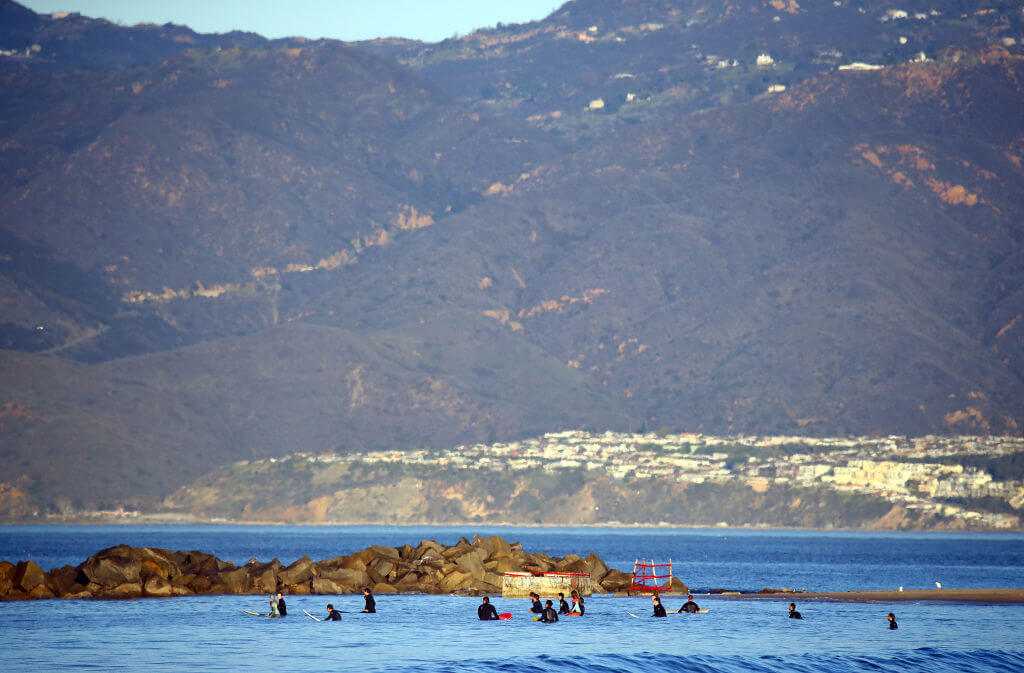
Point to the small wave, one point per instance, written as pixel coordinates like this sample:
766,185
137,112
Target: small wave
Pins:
926,659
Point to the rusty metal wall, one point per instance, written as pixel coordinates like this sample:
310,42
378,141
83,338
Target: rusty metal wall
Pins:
516,585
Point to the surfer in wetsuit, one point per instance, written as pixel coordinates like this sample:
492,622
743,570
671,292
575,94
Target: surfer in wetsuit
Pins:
371,605
274,611
485,611
332,614
577,603
549,615
281,607
892,622
793,614
563,607
659,609
689,606
535,607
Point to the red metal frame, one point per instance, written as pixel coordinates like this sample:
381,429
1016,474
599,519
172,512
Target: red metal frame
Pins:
648,572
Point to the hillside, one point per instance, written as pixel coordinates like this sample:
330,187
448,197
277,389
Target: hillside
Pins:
221,248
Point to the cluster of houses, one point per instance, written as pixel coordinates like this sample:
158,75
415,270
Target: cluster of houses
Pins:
922,473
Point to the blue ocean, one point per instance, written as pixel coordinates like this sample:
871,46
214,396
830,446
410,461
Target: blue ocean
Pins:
441,633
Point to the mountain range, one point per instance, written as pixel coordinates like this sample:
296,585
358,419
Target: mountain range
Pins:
730,216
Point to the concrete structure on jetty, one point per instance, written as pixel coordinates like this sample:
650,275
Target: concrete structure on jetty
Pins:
466,568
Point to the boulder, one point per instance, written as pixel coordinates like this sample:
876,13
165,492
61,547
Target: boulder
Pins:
84,593
185,579
111,571
428,548
407,552
28,575
41,591
375,577
322,585
6,577
484,543
472,561
384,565
678,587
355,562
300,571
158,586
234,581
200,584
596,567
454,580
124,590
500,545
353,579
616,580
502,564
64,581
577,566
384,588
385,552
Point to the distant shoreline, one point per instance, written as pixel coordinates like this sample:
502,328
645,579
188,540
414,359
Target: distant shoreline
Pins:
161,520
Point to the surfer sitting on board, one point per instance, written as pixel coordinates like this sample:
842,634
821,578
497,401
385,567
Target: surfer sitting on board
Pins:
577,603
793,614
563,607
332,614
486,611
535,607
371,604
659,609
274,612
689,606
549,615
281,607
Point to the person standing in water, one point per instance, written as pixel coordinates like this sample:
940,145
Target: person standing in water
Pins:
549,616
371,605
535,606
577,602
486,611
659,609
563,607
793,614
892,622
332,614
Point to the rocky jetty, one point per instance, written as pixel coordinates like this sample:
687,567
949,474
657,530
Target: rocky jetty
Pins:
468,567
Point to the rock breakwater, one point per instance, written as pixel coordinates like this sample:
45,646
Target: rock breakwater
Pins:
469,567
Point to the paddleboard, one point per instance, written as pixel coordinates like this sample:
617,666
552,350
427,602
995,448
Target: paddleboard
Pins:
315,619
505,615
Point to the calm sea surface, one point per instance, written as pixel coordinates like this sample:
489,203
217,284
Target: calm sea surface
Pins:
441,633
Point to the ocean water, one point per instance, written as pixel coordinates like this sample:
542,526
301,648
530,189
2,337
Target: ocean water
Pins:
441,633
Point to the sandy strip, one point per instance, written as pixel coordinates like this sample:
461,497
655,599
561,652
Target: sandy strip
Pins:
961,595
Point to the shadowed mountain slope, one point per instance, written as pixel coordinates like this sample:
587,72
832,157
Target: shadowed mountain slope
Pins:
236,252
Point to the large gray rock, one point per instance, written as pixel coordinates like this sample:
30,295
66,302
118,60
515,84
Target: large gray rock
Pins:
597,568
28,575
298,572
158,586
235,581
472,561
353,579
322,585
386,552
111,571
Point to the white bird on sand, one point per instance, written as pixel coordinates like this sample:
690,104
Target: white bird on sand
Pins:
901,587
938,585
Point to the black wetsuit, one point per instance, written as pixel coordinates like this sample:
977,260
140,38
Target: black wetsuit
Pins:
281,607
333,616
893,625
536,607
659,610
549,615
793,614
486,612
690,607
563,607
371,605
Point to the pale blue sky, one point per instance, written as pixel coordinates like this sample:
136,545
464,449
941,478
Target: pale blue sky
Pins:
428,20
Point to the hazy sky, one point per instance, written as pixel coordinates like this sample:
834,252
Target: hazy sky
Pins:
428,20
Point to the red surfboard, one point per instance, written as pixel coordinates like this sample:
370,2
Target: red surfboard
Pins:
505,615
